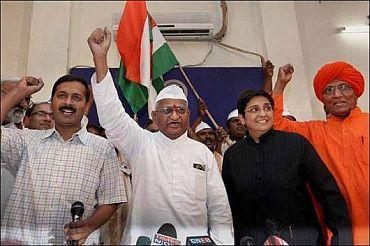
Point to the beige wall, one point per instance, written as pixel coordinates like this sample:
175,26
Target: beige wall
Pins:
46,38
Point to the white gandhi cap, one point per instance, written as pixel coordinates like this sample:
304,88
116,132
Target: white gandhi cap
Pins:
233,114
202,125
171,92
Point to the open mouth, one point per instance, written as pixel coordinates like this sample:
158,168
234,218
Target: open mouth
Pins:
174,124
67,111
341,103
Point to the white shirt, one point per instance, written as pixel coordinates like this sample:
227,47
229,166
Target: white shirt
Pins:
166,186
51,174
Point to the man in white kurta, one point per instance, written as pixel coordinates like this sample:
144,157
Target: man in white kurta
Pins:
174,180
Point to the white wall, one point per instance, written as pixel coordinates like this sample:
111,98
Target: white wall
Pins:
46,38
321,44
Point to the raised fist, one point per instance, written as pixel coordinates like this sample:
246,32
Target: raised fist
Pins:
202,107
285,73
99,42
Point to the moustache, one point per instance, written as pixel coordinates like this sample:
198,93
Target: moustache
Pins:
68,107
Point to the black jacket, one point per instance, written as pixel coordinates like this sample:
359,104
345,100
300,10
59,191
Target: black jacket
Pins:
266,186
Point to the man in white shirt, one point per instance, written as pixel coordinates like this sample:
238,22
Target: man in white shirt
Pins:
174,178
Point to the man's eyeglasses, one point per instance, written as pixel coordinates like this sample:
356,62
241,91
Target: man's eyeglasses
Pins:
43,114
330,90
167,111
256,110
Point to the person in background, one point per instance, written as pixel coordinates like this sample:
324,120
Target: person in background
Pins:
265,175
39,117
12,120
151,126
211,139
15,115
342,140
235,129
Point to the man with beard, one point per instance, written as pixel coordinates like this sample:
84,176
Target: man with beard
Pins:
211,139
15,116
235,128
57,167
13,120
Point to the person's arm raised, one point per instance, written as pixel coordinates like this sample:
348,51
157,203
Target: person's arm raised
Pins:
99,43
13,92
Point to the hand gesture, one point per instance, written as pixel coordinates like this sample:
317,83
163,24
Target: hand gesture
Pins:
77,231
285,74
221,134
268,69
202,107
24,87
99,42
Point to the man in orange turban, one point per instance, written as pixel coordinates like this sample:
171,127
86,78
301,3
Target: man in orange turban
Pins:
342,140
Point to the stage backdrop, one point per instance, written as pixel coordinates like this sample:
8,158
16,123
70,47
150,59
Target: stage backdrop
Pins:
218,86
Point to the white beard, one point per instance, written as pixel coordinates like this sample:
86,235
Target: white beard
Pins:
17,116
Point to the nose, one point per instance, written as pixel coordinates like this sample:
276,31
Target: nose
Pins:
48,117
68,100
338,93
262,112
174,114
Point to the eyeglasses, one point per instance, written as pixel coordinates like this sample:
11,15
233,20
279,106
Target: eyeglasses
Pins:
256,109
43,114
330,90
167,111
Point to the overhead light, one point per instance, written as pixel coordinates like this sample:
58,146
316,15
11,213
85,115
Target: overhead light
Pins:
353,29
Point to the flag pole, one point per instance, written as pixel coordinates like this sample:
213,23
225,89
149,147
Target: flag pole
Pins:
197,96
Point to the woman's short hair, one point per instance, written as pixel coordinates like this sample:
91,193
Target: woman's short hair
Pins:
246,95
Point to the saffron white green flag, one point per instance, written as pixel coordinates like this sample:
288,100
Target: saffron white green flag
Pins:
145,56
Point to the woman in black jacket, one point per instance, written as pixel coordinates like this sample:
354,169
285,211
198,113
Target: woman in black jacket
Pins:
265,176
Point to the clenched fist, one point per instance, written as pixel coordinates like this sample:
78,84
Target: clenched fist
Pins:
99,42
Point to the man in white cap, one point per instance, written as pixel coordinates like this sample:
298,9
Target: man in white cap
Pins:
211,138
174,178
235,128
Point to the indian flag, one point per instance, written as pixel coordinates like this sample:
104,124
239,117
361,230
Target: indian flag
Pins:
145,56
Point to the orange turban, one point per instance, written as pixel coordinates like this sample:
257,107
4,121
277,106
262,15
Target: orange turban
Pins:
338,70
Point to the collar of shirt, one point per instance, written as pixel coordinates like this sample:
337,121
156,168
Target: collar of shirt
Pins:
82,135
178,141
354,114
264,138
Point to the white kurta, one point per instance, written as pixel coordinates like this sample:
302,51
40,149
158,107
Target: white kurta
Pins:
166,186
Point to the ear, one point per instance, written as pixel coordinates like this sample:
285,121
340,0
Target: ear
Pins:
26,121
154,116
241,117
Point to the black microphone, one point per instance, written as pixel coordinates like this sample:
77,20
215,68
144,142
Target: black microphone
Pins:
200,240
247,241
77,210
143,240
166,235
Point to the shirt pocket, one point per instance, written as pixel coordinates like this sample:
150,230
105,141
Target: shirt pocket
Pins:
364,147
200,181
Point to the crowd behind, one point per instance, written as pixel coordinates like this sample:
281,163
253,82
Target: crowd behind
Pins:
265,177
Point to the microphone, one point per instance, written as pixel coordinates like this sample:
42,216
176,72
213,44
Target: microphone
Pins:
77,210
247,241
200,240
166,235
143,240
